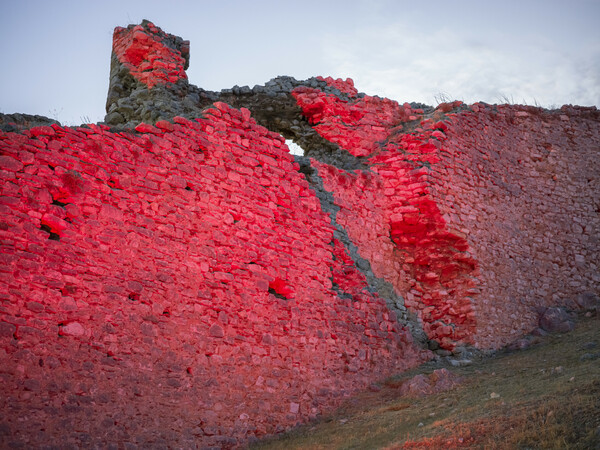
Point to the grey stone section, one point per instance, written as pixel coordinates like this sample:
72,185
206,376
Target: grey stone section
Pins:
17,122
130,102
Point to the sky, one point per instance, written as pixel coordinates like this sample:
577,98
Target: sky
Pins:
56,54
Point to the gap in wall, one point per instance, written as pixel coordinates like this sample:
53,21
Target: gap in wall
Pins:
295,149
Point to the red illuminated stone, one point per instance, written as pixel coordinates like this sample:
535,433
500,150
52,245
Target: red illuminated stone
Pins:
147,57
146,128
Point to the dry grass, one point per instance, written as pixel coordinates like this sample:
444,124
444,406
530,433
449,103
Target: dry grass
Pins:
544,397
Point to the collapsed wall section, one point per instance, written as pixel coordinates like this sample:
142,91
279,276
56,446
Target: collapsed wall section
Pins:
401,233
176,284
487,217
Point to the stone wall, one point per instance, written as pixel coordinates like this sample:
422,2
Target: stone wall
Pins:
175,277
176,284
521,184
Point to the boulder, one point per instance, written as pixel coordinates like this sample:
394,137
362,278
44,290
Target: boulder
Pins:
417,386
444,380
420,385
588,301
556,320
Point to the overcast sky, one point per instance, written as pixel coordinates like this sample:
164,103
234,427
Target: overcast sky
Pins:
56,54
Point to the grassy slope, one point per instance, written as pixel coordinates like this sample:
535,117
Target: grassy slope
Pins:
544,397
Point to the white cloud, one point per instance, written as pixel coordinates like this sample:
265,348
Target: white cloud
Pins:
408,64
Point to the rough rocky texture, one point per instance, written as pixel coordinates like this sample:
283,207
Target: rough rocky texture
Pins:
16,122
588,301
180,284
148,80
556,320
521,184
177,278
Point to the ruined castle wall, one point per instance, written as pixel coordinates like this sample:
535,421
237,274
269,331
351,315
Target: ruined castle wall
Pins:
175,285
388,211
521,184
190,283
479,218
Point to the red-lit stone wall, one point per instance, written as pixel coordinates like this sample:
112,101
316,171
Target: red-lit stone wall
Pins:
151,55
362,215
388,210
174,286
180,285
357,125
479,220
521,184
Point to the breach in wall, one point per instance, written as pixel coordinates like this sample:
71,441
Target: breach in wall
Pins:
176,277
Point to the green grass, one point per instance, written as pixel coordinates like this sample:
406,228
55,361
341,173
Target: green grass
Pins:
544,397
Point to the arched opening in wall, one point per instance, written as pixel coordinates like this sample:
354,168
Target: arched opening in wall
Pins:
295,149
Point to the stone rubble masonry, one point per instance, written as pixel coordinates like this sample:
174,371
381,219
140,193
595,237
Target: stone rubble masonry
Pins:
401,232
175,277
147,73
469,217
521,184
